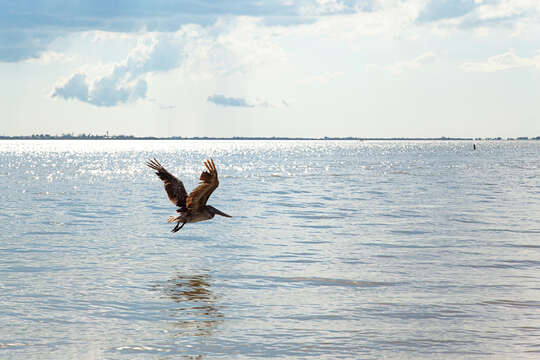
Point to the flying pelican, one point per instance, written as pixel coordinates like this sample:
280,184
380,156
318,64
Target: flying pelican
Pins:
192,207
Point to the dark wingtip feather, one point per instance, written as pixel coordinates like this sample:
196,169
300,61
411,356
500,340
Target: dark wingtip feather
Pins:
154,164
205,175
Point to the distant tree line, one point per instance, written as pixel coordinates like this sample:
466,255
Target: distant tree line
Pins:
131,137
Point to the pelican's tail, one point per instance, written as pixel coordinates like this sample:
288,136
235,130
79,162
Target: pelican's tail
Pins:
179,222
172,219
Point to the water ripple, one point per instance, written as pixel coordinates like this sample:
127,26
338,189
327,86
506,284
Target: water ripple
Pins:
336,249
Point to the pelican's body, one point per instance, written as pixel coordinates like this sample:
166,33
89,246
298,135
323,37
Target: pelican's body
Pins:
192,208
205,213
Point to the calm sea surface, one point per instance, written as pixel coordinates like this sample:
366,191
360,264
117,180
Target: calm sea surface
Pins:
336,249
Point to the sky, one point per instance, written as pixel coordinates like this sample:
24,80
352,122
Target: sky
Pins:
308,68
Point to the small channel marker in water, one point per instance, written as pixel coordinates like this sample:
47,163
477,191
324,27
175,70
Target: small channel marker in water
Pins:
192,207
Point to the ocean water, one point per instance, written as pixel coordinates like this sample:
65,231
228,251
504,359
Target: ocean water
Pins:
336,250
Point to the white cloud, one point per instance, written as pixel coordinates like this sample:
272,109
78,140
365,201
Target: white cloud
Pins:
404,66
48,57
505,61
126,81
107,91
226,48
486,15
322,7
30,27
231,47
506,9
75,87
229,101
226,101
388,18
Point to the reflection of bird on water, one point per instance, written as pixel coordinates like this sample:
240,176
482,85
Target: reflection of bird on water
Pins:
194,288
197,311
192,207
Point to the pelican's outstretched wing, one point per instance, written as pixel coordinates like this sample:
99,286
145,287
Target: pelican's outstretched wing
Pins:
174,187
209,182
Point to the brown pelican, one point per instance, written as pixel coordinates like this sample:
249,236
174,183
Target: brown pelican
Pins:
192,207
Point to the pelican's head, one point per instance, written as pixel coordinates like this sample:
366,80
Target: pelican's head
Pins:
215,211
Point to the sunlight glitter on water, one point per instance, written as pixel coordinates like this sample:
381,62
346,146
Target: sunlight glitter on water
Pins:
336,249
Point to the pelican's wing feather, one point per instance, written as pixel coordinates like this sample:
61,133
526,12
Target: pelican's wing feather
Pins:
209,182
174,187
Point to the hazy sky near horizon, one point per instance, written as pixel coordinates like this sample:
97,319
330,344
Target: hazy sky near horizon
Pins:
368,68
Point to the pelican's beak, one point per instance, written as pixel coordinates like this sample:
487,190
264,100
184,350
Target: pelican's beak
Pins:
221,213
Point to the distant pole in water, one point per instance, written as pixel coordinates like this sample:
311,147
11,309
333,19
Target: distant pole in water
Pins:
474,146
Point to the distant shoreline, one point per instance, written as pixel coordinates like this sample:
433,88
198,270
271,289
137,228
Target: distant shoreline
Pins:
130,137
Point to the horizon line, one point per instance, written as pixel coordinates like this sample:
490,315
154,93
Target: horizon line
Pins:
132,137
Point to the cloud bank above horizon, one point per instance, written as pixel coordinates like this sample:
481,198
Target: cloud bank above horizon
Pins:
194,58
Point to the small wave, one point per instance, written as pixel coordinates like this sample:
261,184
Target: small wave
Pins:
318,226
32,269
528,328
489,266
25,251
529,246
410,232
313,242
410,315
470,221
284,204
508,264
141,348
401,246
80,222
278,192
508,230
316,281
512,303
524,262
48,233
316,217
11,345
41,199
421,342
83,214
